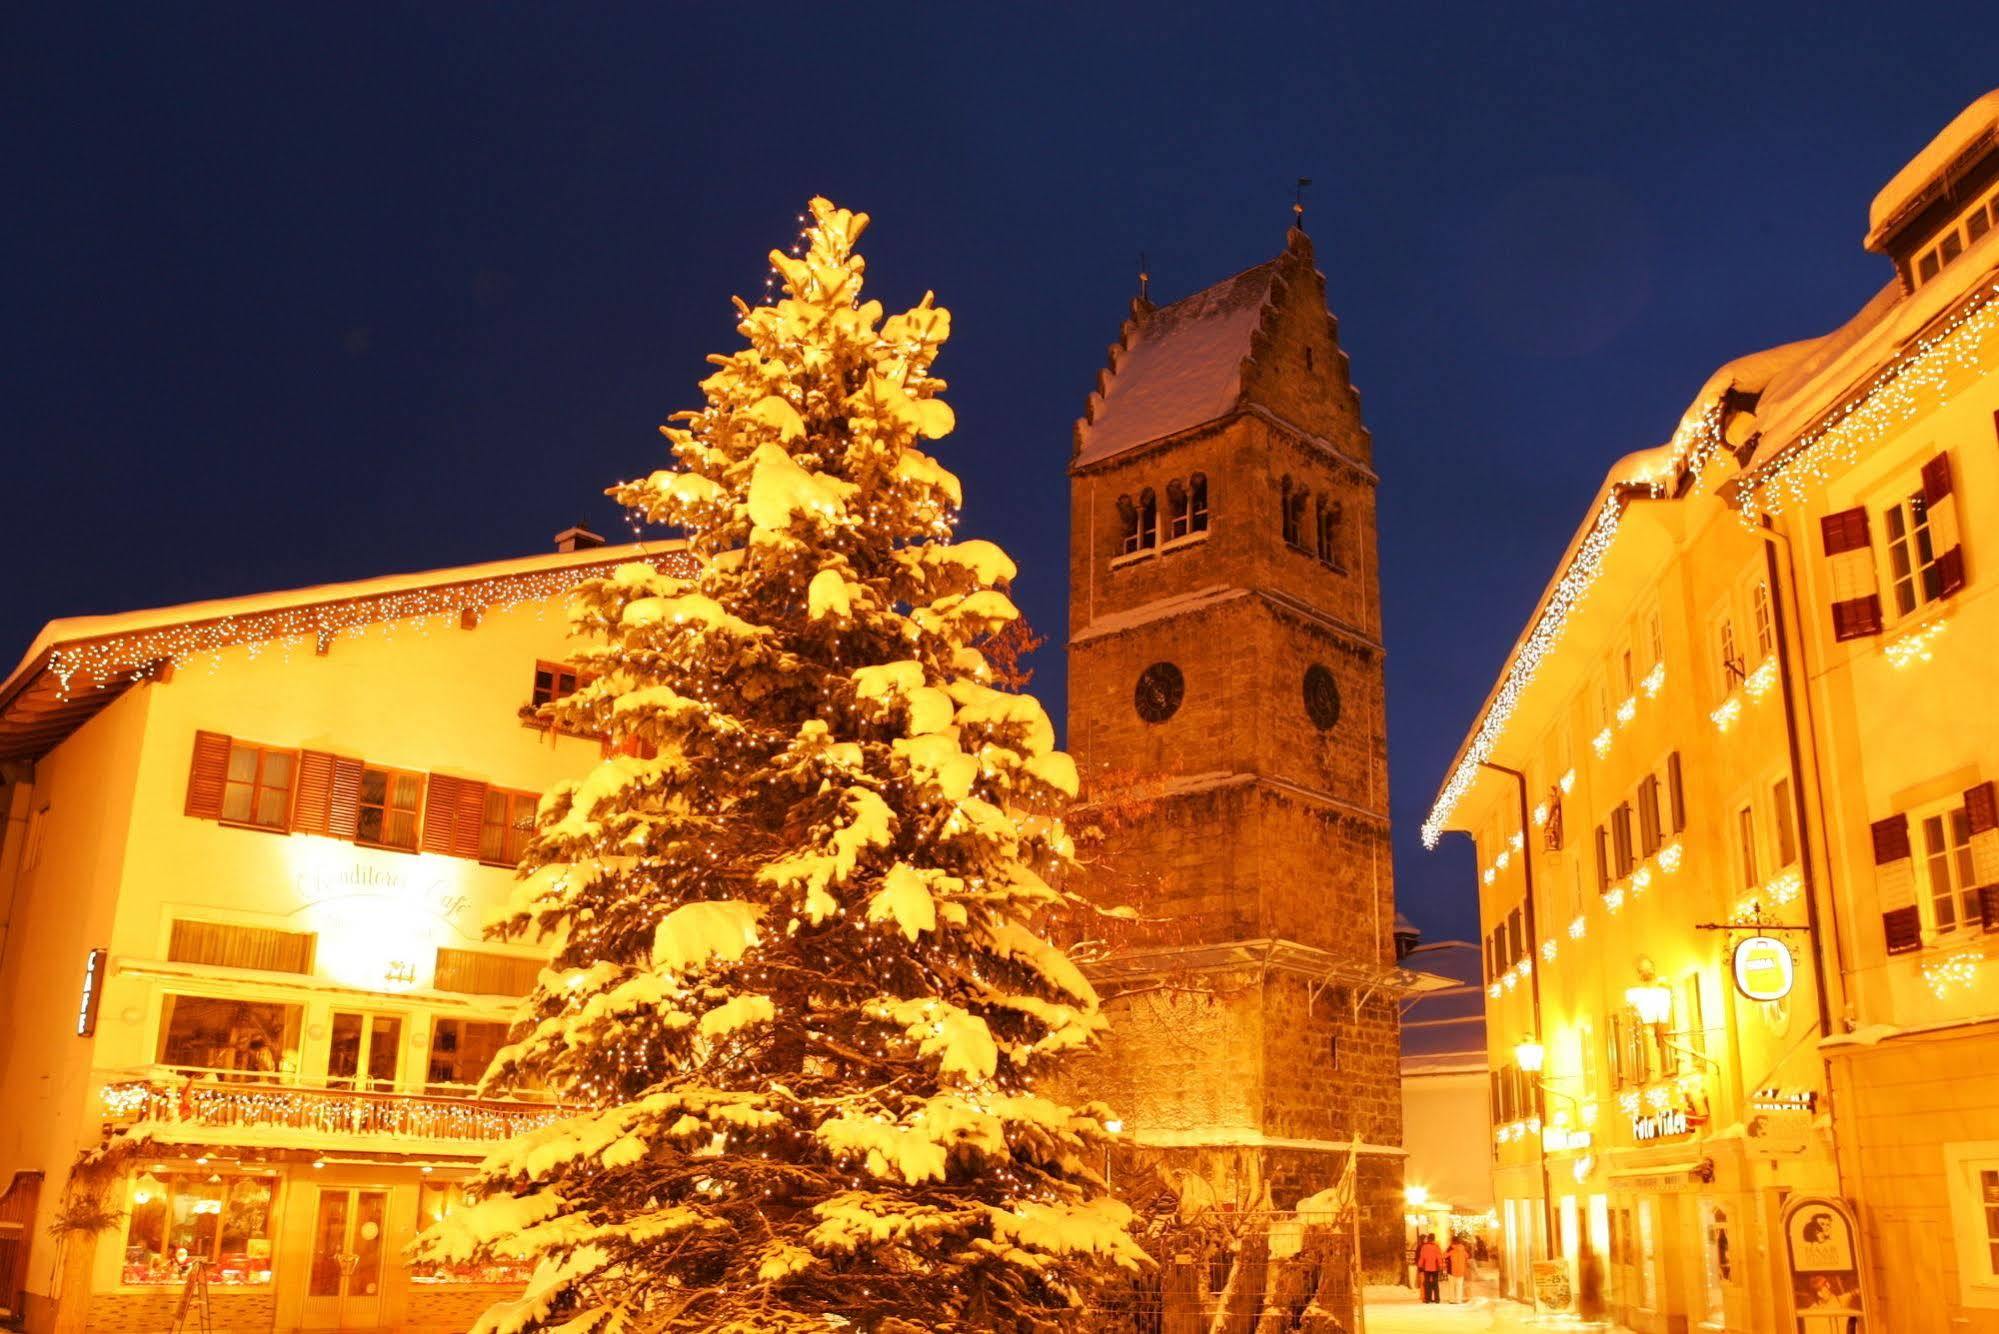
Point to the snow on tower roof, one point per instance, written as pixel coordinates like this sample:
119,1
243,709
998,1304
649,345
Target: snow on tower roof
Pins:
1177,366
1933,170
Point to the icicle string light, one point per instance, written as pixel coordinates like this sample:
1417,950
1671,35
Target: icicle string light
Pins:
1899,393
119,658
1692,445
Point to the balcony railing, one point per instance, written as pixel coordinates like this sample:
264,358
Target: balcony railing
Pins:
177,1104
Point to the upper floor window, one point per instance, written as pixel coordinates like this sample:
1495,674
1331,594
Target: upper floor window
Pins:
1963,232
1745,837
390,800
1294,500
506,825
1913,575
553,680
1733,670
258,790
1328,533
1763,618
1148,519
1949,882
1187,506
1127,514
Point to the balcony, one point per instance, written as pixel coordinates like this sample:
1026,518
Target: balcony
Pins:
171,1105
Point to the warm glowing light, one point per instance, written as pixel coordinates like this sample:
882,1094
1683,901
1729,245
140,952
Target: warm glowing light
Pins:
1568,782
1529,1054
1652,1000
1916,646
1578,926
1655,681
1627,711
1725,716
1541,815
1416,1195
1600,743
1951,971
1669,858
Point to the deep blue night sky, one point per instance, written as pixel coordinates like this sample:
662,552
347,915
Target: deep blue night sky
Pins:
292,297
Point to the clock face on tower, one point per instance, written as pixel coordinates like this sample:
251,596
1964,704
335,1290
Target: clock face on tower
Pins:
1322,697
1159,692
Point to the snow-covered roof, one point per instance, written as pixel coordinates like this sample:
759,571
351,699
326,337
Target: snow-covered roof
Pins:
1974,132
1177,366
78,665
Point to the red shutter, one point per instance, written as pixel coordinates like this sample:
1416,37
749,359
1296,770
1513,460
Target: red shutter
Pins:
1981,808
1856,597
208,775
1891,839
1941,506
440,814
471,814
1902,930
343,812
312,809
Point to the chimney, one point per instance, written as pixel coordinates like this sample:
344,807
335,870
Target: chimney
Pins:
577,538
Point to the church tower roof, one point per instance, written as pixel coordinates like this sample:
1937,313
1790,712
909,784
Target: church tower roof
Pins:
1183,365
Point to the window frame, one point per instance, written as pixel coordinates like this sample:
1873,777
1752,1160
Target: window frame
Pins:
362,806
1951,819
173,1182
258,787
1922,581
1973,1226
555,671
1747,862
513,797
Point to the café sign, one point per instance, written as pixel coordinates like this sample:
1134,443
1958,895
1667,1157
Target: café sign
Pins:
1659,1125
1763,968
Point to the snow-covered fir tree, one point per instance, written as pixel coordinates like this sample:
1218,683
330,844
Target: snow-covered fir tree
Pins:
799,991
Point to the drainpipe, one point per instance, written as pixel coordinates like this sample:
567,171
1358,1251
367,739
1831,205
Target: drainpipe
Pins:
1783,575
1533,985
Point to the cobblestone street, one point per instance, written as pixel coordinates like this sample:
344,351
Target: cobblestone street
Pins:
1396,1310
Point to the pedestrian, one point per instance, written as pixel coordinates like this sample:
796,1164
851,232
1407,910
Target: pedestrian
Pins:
1458,1261
1430,1264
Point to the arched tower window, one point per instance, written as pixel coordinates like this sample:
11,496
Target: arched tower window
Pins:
1177,509
1329,533
1197,503
1127,514
1287,514
1294,520
1148,519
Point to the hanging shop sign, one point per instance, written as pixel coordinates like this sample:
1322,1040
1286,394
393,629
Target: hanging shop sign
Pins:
1763,968
1824,1256
1659,1125
93,993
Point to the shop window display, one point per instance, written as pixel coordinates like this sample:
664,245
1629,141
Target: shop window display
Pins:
180,1218
436,1201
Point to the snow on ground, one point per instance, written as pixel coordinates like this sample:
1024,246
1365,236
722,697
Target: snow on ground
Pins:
1396,1310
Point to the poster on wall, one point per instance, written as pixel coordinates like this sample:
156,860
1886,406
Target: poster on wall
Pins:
1826,1292
1554,1291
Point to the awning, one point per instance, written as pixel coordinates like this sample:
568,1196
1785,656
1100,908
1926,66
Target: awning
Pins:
1663,1176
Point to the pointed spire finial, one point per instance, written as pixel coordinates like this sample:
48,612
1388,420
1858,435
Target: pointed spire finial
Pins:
1144,278
1298,203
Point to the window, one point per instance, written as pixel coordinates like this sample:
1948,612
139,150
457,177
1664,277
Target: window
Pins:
1971,1178
1655,638
506,825
1177,506
1197,503
1649,835
255,1040
1627,670
1516,934
1287,516
1329,534
365,1051
225,946
1694,1036
1295,508
1766,623
552,680
390,799
1785,820
1732,671
1950,886
1602,860
258,789
1913,574
1745,837
1148,520
1620,839
1128,523
485,973
177,1217
436,1201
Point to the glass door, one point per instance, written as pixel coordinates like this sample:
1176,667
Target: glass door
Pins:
365,1052
344,1285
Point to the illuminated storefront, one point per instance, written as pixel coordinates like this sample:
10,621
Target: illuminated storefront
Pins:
256,842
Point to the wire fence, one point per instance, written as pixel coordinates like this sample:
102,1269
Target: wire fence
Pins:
1233,1272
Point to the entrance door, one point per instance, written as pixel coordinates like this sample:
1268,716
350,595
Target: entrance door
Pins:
344,1287
366,1051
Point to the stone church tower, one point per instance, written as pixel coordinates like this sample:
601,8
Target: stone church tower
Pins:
1226,703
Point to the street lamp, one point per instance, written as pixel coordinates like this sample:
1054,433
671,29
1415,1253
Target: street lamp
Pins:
1529,1054
1417,1195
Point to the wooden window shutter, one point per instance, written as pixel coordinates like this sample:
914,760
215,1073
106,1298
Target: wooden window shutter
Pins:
1895,885
208,775
471,814
343,813
1981,810
1676,792
1856,595
312,807
440,814
1940,500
